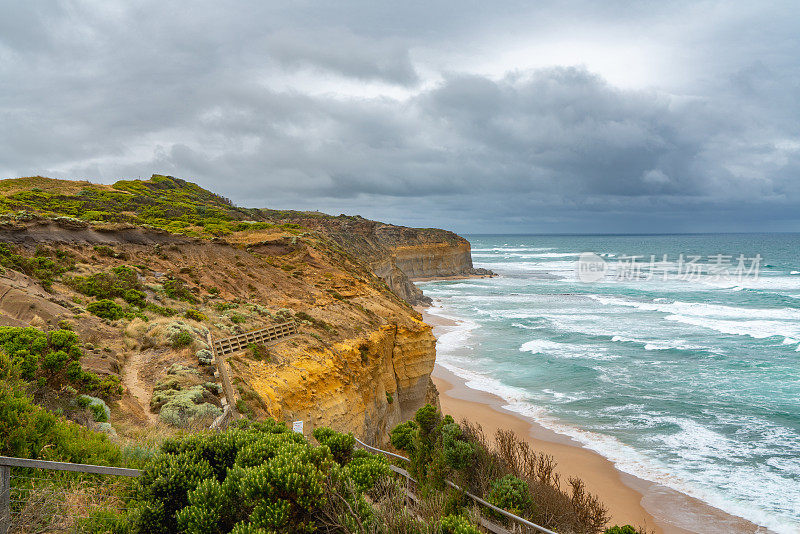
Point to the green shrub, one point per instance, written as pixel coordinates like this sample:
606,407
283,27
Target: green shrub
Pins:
236,318
160,310
100,410
195,315
511,494
204,357
225,306
120,282
180,407
30,431
436,446
404,436
135,298
103,250
456,524
175,289
52,359
163,489
341,445
455,450
616,529
106,309
258,477
28,364
184,338
63,339
243,408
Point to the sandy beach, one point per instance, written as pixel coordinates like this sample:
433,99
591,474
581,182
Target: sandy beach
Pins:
630,500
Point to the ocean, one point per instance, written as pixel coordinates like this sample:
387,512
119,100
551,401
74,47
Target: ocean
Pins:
675,356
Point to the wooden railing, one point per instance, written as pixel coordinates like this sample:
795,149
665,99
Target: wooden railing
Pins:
7,463
488,525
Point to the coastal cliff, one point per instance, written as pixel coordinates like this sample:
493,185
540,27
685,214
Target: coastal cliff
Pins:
361,360
366,385
397,254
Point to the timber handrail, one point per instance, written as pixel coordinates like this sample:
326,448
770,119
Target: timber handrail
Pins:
9,461
509,515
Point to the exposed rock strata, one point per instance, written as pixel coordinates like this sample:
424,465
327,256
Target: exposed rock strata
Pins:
397,254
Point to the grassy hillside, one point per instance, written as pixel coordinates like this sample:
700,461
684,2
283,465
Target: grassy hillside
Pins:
163,202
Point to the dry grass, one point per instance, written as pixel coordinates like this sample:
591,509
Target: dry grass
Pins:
51,185
61,503
565,507
395,511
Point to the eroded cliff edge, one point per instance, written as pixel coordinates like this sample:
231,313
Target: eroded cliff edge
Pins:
361,361
397,254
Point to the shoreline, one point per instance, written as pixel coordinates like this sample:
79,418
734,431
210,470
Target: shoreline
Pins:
630,499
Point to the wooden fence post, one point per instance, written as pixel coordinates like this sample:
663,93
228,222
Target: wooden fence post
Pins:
5,499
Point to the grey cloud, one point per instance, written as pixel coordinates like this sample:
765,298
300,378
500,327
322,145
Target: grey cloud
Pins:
107,90
345,53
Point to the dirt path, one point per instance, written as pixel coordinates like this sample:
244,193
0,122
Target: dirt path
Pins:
137,387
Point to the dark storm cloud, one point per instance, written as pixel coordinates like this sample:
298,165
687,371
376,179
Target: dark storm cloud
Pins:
358,109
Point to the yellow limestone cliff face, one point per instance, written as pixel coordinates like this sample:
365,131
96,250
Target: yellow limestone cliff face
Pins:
426,260
366,385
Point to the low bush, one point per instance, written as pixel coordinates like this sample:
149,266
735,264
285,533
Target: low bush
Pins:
135,298
120,282
160,310
30,431
106,309
508,473
183,338
259,477
175,289
204,357
54,358
237,318
225,306
195,315
456,524
435,445
104,250
258,351
182,407
511,494
625,529
341,445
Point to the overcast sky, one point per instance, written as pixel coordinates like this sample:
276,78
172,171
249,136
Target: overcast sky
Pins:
602,116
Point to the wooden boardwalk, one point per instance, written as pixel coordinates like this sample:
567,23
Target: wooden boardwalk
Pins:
258,337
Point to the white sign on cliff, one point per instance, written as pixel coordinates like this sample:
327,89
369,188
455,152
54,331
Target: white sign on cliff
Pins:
297,426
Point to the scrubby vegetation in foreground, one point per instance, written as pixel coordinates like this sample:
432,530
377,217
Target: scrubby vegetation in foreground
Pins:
261,477
508,474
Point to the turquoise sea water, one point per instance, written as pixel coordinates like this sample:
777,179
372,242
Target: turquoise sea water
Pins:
687,378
